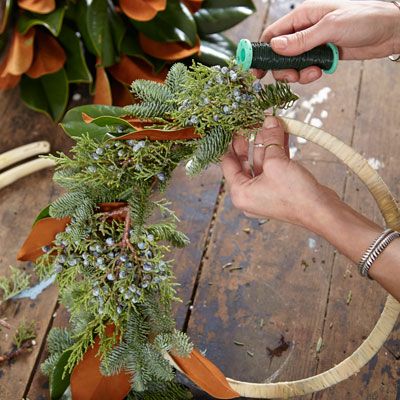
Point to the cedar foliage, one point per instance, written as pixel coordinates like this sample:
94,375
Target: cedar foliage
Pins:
112,266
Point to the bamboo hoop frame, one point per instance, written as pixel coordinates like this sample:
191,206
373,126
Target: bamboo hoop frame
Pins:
388,318
21,153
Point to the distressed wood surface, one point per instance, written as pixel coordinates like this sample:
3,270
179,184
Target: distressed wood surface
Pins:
20,204
376,136
259,318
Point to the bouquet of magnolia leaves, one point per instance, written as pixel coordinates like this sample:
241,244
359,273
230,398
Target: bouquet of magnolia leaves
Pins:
47,45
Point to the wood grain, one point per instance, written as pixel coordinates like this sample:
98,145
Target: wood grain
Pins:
375,135
20,203
282,286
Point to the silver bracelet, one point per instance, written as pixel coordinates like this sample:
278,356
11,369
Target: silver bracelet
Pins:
376,248
395,57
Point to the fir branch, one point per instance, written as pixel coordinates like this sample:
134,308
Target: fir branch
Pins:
177,77
209,150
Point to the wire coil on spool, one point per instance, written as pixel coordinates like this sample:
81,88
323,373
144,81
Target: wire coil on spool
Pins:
261,56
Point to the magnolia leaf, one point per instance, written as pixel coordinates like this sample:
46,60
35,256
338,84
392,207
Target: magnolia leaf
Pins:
9,81
102,89
78,13
52,21
130,47
45,213
174,24
128,70
75,67
160,134
168,51
48,94
5,9
142,10
205,375
74,125
216,16
193,5
106,30
58,384
41,7
133,122
42,234
118,29
120,93
216,49
109,122
49,56
87,383
4,38
19,55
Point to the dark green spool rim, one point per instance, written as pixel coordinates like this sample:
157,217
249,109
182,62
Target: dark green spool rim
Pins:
244,55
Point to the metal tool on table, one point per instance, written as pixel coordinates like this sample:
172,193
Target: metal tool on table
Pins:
261,56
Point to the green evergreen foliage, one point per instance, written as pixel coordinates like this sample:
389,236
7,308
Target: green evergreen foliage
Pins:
13,284
162,391
168,232
151,92
276,95
146,110
177,78
210,149
143,359
112,266
58,340
25,331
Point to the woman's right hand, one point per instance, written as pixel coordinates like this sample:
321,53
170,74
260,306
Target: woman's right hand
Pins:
361,30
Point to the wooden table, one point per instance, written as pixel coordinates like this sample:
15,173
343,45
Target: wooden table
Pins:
259,318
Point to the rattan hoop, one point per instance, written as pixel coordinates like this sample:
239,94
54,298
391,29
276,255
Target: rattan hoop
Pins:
388,318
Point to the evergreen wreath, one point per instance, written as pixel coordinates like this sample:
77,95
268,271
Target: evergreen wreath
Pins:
110,262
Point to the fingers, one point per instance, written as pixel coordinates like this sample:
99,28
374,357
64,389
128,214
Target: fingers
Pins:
303,40
240,146
288,75
306,75
258,73
272,133
232,169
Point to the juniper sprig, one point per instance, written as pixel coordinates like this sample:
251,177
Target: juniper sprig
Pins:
111,261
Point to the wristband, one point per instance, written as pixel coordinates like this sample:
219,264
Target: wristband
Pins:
375,250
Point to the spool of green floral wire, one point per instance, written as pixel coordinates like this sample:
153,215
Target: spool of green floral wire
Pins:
261,56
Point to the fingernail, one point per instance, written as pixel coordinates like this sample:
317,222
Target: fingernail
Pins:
279,42
270,122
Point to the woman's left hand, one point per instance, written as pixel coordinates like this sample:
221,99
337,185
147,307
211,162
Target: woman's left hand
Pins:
281,188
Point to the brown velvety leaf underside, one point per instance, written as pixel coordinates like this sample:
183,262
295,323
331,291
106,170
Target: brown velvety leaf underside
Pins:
205,375
87,382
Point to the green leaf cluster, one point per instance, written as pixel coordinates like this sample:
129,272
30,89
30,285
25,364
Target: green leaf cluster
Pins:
93,33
